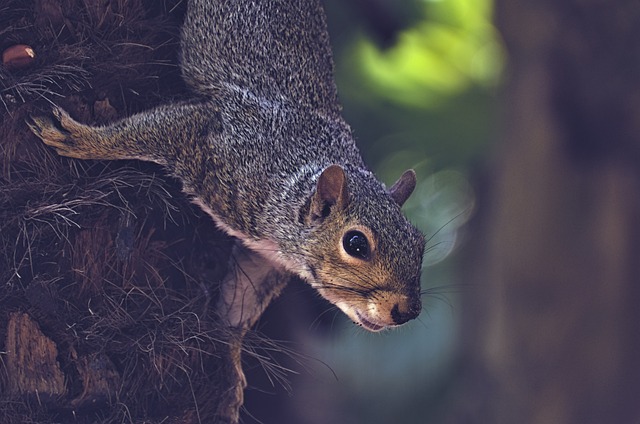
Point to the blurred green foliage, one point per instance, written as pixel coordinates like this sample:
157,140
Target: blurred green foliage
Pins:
430,89
449,51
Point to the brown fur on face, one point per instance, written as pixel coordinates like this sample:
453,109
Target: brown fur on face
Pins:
366,290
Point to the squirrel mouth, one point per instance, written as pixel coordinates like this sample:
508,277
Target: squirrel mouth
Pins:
368,324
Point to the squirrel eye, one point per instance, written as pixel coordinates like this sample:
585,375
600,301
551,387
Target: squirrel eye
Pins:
356,244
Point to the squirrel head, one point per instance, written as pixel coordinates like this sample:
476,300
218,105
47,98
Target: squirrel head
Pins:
362,254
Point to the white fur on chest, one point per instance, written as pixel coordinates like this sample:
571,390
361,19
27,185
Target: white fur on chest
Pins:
266,248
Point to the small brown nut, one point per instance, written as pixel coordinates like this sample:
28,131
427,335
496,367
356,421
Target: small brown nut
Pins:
18,56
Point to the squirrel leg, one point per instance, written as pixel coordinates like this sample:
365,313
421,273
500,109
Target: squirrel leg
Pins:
248,288
251,284
152,135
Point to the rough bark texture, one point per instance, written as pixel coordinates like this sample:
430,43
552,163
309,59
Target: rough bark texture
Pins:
107,272
558,339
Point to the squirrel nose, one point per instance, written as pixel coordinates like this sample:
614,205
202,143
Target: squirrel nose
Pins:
405,311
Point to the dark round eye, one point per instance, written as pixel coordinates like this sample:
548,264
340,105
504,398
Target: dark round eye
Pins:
356,244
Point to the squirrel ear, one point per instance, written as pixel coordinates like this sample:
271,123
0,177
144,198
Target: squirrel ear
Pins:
403,188
331,190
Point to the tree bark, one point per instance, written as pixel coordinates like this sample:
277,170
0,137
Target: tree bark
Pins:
107,271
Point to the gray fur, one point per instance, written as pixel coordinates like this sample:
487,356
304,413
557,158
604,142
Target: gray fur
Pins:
277,50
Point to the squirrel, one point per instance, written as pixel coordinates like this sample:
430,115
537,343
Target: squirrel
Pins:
262,148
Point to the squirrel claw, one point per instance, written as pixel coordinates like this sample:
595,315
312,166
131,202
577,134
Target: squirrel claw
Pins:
48,132
58,133
73,139
57,112
63,117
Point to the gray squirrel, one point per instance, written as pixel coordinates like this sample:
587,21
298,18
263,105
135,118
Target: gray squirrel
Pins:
263,150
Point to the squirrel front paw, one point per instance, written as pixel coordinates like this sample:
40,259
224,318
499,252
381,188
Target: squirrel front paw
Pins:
69,137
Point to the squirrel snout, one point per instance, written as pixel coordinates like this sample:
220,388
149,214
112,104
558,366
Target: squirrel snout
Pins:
406,311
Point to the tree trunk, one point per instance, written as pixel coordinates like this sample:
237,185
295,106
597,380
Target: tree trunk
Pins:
559,339
107,271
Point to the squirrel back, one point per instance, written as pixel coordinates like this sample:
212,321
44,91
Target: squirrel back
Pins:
274,50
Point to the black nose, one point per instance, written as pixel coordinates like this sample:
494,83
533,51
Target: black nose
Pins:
403,313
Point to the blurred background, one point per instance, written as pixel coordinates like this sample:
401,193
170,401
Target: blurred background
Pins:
521,120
